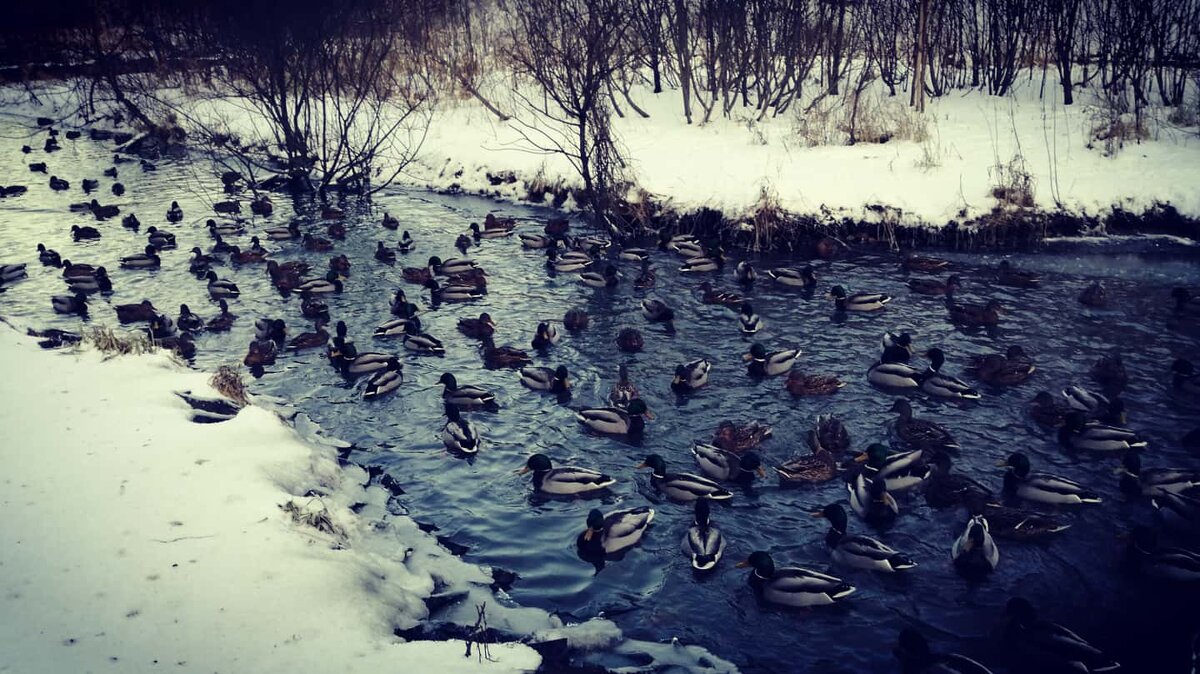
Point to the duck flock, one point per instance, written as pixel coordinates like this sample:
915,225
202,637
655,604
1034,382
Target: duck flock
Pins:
873,486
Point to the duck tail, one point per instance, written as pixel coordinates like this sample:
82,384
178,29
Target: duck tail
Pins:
703,562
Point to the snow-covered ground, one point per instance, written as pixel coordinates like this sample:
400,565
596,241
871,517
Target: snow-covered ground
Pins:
727,164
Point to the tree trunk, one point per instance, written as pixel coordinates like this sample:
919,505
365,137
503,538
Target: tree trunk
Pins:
916,97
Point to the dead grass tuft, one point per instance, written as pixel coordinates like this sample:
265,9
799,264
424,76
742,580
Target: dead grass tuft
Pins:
227,380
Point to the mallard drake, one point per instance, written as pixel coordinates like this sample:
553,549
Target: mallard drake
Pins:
187,321
1013,523
1041,645
657,311
857,301
421,342
1184,377
633,255
870,500
223,229
401,307
384,254
623,392
646,278
341,348
1008,275
161,326
58,184
750,322
487,233
682,486
465,396
974,552
569,262
452,266
565,481
820,466
899,471
606,279
691,376
1090,403
239,256
48,257
932,286
630,340
709,295
1179,510
973,314
923,263
71,270
703,264
945,489
131,222
686,245
12,272
174,213
616,421
793,586
497,357
292,231
201,263
1094,296
894,376
145,260
406,243
452,293
477,328
223,321
1021,482
935,383
725,466
703,543
795,278
218,289
615,532
457,434
160,239
763,364
1154,481
310,340
897,347
859,552
554,380
801,384
1081,435
1048,411
1172,564
392,328
70,304
321,286
575,320
99,282
915,657
921,433
1010,369
534,241
389,222
745,273
544,336
84,233
352,363
387,378
270,329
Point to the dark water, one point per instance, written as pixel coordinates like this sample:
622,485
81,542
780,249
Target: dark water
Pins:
652,593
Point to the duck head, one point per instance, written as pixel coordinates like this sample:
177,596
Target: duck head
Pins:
654,462
761,562
538,463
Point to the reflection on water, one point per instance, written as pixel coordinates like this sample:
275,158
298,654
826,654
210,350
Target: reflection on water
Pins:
651,591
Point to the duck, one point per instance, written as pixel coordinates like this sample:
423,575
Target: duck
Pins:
79,270
488,233
270,329
38,167
921,433
545,336
313,308
937,384
48,257
385,379
161,326
657,311
923,263
870,500
174,213
897,347
899,471
1081,435
1152,560
1110,372
1090,403
189,322
466,395
316,244
973,314
703,264
118,190
615,532
451,266
800,384
223,321
223,229
1021,482
646,278
352,363
1179,510
932,286
630,340
1094,296
820,466
725,466
392,328
341,348
630,421
1013,523
321,286
182,344
310,340
262,205
793,586
1154,481
12,272
974,552
70,304
624,391
763,364
750,321
84,233
691,376
744,273
576,319
568,263
147,260
497,357
565,481
857,301
606,279
535,241
290,232
686,245
220,246
340,265
916,657
1046,646
945,489
420,342
1048,411
260,353
131,222
58,184
894,376
740,437
103,212
389,222
457,434
795,278
462,243
1008,275
384,254
201,263
401,307
859,552
1184,377
406,243
1010,369
452,293
683,487
828,434
160,239
555,380
90,284
218,289
703,543
709,295
477,328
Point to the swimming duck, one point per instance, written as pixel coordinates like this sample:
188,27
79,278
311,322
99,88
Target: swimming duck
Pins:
218,289
686,245
58,184
131,222
615,532
894,376
223,321
923,263
187,321
452,293
321,286
630,340
534,241
973,314
932,286
48,257
740,437
270,329
1154,561
386,378
182,344
703,543
421,342
575,320
451,266
389,222
477,233
607,279
709,295
1009,275
945,488
568,262
940,385
915,657
465,396
1046,646
1013,523
703,264
899,471
795,278
223,229
555,380
633,255
1179,510
623,392
1090,403
161,326
392,328
262,205
897,348
201,263
859,552
496,357
565,481
921,433
1094,296
313,308
1081,435
341,348
146,260
682,486
657,311
90,284
384,254
310,340
763,364
457,434
1184,377
406,243
160,239
829,434
103,212
174,213
80,270
316,244
974,552
750,321
84,233
353,363
12,272
793,586
401,307
70,304
745,273
38,167
1110,372
291,231
801,384
870,500
545,336
477,328
857,301
691,376
1010,369
725,466
1154,481
616,421
820,466
1042,487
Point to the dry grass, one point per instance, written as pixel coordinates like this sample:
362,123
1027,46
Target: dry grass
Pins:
766,217
315,517
227,380
869,118
1013,184
111,343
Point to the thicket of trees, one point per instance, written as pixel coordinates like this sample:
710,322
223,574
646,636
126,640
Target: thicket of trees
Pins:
344,88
